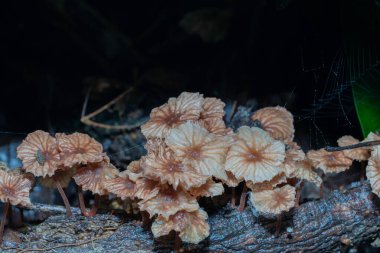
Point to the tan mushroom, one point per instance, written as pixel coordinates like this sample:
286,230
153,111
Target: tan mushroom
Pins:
209,189
194,145
359,154
79,149
212,108
329,162
39,154
267,185
191,226
373,170
121,186
187,106
277,121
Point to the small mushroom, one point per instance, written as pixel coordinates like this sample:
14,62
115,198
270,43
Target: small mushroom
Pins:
166,168
92,177
358,154
329,162
192,227
277,121
212,108
168,202
39,154
373,170
78,148
194,145
187,106
267,185
209,189
121,186
275,202
14,190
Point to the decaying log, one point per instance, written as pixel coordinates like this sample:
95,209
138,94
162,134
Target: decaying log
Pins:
347,217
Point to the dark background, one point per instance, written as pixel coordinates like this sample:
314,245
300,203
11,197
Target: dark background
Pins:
275,51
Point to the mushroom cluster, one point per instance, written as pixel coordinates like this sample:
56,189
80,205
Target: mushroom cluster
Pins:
58,159
187,144
14,191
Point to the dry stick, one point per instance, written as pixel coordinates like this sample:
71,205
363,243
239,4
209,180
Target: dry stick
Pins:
3,219
242,198
64,198
358,145
233,197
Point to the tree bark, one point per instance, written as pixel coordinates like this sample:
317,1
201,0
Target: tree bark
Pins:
342,218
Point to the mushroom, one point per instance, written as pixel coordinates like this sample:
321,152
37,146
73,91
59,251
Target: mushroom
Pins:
255,156
121,186
329,162
212,108
232,182
78,148
209,189
168,202
194,145
14,190
166,168
190,226
274,202
92,177
187,106
358,154
40,156
267,185
373,170
277,121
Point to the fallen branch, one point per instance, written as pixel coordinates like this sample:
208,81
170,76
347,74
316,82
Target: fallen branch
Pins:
342,218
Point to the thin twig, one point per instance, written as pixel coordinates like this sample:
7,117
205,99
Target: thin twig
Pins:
358,145
86,119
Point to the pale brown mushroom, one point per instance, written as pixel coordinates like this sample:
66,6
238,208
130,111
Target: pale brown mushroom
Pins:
121,186
168,202
187,106
79,149
373,170
209,189
14,190
194,145
329,162
39,154
277,121
212,108
267,185
358,154
191,227
166,168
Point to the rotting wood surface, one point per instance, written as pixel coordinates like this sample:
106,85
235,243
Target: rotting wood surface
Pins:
319,226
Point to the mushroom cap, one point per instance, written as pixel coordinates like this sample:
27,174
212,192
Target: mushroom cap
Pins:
121,186
169,201
209,189
153,145
166,168
146,188
274,201
277,121
79,148
255,156
192,226
39,154
359,154
329,162
292,156
231,181
92,176
187,106
267,185
373,170
134,171
62,175
194,145
15,188
212,108
305,171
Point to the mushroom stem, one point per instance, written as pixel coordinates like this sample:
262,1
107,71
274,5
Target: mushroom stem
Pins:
3,219
233,197
362,171
177,242
298,194
145,219
10,215
82,205
242,198
278,224
358,145
69,214
94,206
